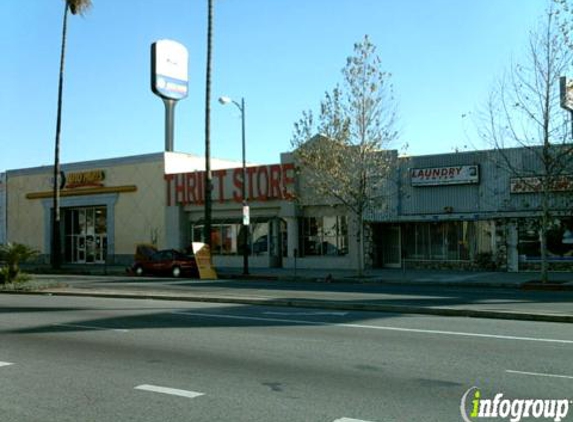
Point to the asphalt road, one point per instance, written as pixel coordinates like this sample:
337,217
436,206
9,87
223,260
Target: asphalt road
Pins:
93,359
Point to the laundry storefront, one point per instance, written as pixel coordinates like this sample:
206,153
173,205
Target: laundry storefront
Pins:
466,211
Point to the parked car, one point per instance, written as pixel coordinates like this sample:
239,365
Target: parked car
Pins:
165,262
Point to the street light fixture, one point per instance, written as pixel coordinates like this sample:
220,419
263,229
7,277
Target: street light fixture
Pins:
241,107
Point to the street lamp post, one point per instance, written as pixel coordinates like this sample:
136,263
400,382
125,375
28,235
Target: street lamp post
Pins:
241,107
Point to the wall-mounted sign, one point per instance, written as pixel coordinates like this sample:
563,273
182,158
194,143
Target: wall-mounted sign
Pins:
169,69
534,184
437,176
84,179
264,183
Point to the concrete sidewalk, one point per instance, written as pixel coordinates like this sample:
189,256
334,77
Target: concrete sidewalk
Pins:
465,294
557,280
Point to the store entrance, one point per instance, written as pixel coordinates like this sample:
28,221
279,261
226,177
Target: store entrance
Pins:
85,235
387,246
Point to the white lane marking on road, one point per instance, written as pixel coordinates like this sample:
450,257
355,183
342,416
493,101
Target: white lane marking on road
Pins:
5,364
92,327
349,420
170,391
538,374
306,313
375,327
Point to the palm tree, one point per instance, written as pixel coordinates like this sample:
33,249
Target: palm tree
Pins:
75,7
208,177
13,254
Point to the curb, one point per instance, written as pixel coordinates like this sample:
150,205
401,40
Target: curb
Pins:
434,283
308,303
352,280
549,287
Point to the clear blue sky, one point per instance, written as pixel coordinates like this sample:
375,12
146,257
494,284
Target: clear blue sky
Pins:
281,55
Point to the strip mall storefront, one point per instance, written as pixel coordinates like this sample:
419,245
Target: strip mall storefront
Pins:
446,211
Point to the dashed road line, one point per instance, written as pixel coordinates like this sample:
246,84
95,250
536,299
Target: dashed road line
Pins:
350,420
170,391
538,374
5,364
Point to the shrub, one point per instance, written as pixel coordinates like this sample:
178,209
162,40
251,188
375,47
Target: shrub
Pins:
484,261
12,254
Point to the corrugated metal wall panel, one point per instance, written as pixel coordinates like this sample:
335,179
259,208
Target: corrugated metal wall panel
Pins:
491,196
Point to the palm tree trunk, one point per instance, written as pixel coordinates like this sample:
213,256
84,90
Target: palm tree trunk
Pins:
56,253
208,176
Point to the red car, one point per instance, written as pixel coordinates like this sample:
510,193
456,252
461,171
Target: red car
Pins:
166,262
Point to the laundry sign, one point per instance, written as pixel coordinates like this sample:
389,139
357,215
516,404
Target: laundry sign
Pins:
452,175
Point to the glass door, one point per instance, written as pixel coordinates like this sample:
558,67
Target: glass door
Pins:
86,235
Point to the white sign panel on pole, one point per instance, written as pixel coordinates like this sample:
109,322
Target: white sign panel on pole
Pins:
169,69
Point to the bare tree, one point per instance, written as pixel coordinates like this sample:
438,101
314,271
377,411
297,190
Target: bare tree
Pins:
75,7
523,110
346,163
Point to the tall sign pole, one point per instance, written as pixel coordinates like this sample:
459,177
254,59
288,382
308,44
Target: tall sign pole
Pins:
169,80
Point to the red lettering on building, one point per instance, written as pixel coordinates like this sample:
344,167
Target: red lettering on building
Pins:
250,172
275,181
288,180
192,194
264,183
238,183
220,174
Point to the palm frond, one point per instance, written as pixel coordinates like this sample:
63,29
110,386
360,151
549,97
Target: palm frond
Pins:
79,7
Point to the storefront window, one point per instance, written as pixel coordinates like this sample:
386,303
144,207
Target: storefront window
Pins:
437,241
260,239
226,239
451,240
223,238
559,239
324,236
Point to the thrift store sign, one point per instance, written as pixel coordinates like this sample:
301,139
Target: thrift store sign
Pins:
453,175
264,183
